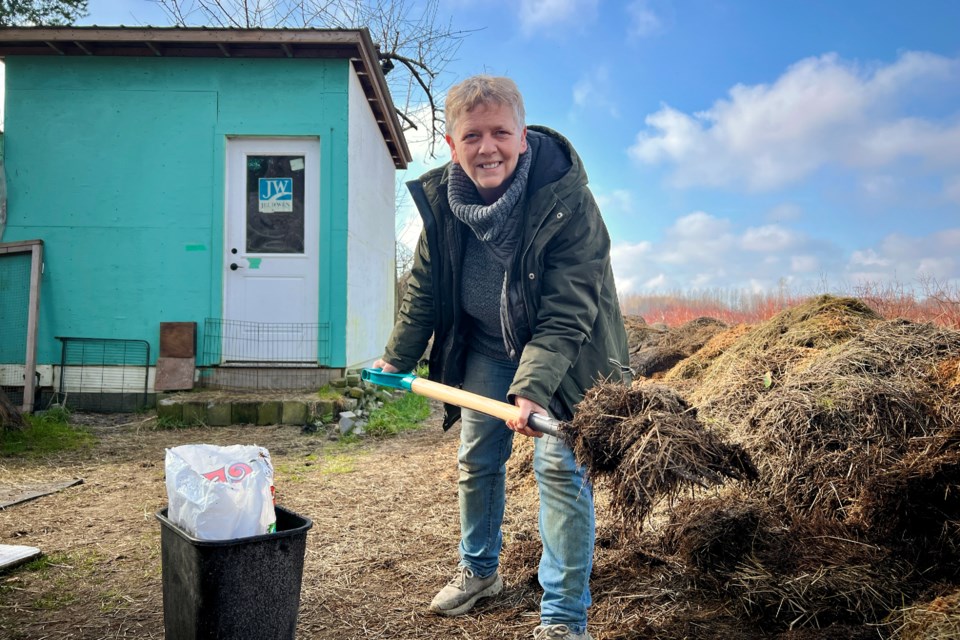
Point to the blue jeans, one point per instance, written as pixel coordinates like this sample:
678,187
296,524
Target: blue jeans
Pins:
567,524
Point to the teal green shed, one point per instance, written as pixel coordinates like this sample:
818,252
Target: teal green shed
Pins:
242,181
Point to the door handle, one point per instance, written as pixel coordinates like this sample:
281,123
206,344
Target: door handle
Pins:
234,266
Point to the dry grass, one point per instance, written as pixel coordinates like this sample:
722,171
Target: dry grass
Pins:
937,619
383,541
646,444
850,531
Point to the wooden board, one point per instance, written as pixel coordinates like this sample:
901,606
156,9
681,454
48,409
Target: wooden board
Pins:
10,496
13,554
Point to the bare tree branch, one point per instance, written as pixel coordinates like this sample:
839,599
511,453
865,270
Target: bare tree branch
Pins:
408,32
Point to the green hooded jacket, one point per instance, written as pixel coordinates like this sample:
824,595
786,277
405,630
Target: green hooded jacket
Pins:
560,312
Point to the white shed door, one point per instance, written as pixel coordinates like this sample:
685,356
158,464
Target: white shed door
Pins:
271,265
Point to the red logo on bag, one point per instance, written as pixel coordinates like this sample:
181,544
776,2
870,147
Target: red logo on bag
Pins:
235,472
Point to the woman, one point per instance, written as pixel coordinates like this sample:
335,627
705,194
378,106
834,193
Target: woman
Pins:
512,279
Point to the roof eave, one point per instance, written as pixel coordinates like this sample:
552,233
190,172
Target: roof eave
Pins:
353,44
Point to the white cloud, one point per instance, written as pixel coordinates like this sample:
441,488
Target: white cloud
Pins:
700,251
537,15
880,187
593,91
868,258
419,140
908,259
785,212
804,264
951,189
616,201
697,237
822,111
643,20
656,282
767,238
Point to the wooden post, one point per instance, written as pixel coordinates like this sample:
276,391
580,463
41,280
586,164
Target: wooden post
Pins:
33,317
35,248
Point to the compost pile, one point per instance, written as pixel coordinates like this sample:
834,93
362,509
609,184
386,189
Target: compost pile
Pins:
645,444
654,350
851,525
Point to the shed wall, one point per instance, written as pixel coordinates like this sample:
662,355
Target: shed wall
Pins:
370,235
118,165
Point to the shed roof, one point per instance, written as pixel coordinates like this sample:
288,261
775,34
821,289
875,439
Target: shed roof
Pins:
204,42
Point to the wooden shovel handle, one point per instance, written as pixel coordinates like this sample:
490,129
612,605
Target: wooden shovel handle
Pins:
488,406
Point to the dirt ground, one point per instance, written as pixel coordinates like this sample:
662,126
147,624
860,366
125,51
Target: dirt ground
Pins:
383,541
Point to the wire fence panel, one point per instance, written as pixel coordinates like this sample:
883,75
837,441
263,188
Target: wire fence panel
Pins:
245,355
104,374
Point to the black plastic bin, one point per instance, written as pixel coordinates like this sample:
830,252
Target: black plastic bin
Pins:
233,589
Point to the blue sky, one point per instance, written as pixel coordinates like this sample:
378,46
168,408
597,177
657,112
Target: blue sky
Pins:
736,144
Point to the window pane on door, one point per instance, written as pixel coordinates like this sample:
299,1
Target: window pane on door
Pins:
275,204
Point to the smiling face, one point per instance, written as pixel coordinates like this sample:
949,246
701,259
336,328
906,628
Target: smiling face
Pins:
487,142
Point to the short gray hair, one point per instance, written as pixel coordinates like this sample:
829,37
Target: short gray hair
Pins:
482,90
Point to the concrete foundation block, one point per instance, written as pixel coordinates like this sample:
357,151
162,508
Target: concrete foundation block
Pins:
195,412
219,414
244,412
325,409
269,412
294,412
355,392
169,409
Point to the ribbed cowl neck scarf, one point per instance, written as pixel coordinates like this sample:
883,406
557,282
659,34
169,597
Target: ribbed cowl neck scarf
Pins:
494,224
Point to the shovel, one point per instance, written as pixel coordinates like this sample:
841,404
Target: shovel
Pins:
459,397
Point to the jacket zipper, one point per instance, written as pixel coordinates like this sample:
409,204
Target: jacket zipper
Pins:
514,348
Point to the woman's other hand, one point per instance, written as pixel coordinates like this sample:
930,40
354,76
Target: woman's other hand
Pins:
526,408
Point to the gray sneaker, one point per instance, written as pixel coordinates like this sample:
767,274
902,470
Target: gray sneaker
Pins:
558,632
464,591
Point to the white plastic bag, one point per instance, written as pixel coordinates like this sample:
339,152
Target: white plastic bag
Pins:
220,493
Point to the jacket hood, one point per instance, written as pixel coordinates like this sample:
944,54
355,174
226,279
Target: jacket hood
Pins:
554,161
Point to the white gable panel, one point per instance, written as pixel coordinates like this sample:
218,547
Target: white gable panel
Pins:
370,234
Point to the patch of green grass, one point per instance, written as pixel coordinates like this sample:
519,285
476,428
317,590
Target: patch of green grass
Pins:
169,423
113,600
53,601
337,463
404,414
43,562
60,573
56,413
296,471
45,433
79,561
326,392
